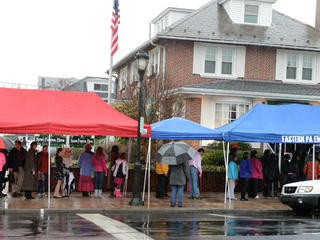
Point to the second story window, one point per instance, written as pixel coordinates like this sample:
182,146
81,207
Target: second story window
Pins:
210,60
100,87
134,76
292,66
251,13
307,68
226,67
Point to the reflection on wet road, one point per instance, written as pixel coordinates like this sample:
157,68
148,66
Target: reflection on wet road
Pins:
140,225
207,226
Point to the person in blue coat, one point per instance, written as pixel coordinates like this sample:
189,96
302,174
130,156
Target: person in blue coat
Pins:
245,175
232,175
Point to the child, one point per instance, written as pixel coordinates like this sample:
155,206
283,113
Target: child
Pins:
245,175
100,170
232,176
119,173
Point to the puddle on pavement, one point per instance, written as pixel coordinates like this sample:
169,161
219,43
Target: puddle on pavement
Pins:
185,229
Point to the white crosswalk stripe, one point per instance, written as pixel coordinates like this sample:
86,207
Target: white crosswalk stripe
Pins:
117,229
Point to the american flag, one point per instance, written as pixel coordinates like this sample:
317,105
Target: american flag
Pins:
114,26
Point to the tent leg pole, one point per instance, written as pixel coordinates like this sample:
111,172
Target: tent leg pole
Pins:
125,190
225,160
228,146
280,156
149,160
313,160
49,170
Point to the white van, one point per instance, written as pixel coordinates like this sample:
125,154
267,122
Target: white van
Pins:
302,196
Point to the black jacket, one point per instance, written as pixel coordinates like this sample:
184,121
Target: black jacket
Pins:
13,158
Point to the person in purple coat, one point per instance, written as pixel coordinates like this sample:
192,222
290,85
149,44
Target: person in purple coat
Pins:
245,175
85,182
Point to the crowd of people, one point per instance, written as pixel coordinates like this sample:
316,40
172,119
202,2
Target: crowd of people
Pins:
28,171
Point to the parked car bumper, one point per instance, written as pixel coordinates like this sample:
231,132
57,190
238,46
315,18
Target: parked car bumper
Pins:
301,201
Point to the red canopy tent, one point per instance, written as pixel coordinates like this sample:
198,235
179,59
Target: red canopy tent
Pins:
57,112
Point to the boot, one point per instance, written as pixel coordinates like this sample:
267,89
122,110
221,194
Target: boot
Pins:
96,193
99,193
118,194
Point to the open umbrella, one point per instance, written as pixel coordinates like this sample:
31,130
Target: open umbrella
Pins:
5,143
174,153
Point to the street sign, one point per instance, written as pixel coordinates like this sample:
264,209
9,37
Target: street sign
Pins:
79,141
56,140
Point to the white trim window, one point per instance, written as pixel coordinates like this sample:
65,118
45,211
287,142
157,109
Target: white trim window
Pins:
98,87
123,75
154,61
292,66
134,76
228,112
219,61
300,67
251,13
210,60
226,65
307,68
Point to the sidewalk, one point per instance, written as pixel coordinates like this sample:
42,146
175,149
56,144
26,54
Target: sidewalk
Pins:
210,201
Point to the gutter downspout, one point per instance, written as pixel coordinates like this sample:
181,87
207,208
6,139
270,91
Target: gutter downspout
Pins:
164,55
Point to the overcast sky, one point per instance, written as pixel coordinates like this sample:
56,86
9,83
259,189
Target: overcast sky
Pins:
71,38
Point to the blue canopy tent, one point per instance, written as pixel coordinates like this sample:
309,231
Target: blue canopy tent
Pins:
177,129
293,123
182,129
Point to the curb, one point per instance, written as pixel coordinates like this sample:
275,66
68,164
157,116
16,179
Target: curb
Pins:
150,211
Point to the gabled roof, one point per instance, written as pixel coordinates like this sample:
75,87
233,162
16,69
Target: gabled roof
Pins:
212,23
255,89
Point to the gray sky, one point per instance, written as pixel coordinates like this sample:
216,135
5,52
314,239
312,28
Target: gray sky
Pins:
71,38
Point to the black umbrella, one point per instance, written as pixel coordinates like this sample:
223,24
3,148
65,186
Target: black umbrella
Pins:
174,153
6,143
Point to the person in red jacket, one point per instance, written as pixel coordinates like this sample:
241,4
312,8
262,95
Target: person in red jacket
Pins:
309,165
42,170
256,175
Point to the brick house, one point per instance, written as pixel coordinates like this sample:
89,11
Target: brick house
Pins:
228,55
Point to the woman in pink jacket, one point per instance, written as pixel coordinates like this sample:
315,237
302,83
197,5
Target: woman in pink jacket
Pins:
99,164
256,175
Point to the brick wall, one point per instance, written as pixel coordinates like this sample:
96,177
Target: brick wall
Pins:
179,64
193,113
260,63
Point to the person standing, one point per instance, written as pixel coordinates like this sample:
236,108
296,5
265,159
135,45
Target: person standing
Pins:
100,170
120,170
30,172
195,171
42,170
3,162
162,173
16,162
245,175
59,172
232,176
68,177
179,175
308,167
114,155
85,181
256,174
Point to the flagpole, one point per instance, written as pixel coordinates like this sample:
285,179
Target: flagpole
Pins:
110,72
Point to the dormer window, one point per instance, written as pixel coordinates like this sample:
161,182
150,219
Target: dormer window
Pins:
251,13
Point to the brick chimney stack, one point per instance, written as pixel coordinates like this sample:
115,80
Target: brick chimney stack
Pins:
317,25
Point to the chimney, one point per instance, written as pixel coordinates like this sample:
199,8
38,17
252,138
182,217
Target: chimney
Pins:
317,25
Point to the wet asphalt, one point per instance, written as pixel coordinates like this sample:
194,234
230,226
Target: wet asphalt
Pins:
163,226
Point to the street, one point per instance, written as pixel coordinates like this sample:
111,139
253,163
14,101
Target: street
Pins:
151,225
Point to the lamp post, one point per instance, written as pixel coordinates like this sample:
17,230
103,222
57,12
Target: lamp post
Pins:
142,62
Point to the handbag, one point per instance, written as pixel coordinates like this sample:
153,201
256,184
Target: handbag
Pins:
11,178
